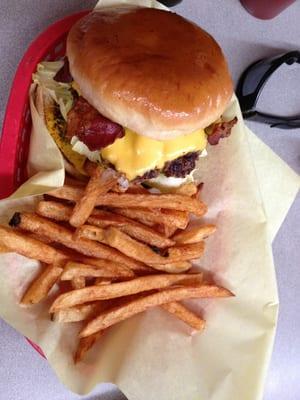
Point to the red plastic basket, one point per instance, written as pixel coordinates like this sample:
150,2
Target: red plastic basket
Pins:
49,45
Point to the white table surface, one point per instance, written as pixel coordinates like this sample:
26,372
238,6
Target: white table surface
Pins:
23,373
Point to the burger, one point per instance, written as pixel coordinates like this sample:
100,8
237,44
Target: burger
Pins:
140,90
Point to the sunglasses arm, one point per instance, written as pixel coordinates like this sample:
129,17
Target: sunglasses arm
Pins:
273,120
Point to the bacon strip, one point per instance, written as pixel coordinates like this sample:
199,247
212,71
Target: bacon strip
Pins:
92,128
220,130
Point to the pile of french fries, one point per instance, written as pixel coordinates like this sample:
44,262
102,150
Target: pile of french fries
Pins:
117,252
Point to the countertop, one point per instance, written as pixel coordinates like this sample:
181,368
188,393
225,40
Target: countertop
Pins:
244,39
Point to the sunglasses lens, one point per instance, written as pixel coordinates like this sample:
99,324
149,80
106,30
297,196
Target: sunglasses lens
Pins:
267,81
253,76
281,94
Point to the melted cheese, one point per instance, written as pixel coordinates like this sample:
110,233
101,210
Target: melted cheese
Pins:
135,154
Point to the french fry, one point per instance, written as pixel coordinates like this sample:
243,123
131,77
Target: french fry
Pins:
67,192
177,202
69,180
85,344
147,235
186,315
54,210
140,252
59,234
29,247
186,251
136,189
89,167
136,306
143,215
102,219
78,282
41,286
195,234
90,232
144,234
169,230
175,267
40,238
78,313
148,216
114,290
119,216
187,189
110,269
63,212
101,181
117,269
132,248
102,281
74,270
131,227
133,233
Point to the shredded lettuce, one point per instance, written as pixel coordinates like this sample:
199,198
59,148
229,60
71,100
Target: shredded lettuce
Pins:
82,149
60,92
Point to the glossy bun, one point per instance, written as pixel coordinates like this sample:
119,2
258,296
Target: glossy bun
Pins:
149,70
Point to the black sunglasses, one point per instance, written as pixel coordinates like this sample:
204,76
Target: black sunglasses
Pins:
250,87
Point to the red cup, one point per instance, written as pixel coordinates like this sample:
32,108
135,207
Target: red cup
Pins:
266,9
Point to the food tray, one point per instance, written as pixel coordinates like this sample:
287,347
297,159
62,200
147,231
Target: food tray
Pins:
50,45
